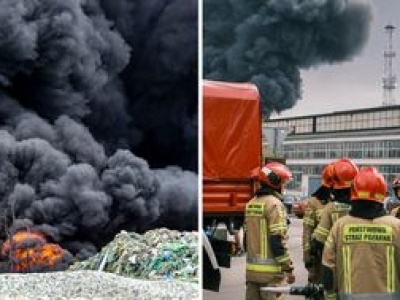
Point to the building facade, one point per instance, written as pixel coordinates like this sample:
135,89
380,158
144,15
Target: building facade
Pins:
371,137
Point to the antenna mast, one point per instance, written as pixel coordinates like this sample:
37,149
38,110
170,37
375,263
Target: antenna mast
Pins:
389,79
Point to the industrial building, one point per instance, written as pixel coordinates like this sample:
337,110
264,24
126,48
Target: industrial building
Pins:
371,137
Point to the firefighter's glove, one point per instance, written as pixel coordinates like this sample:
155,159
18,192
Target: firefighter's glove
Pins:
290,278
309,263
316,248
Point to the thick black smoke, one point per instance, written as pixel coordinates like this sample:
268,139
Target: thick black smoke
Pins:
268,41
96,98
163,39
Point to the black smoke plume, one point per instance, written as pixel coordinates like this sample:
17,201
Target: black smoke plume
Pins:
98,118
267,42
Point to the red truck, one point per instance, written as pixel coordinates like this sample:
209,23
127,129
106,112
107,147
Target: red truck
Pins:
231,150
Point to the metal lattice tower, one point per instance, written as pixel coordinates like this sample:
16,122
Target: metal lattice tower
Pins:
389,80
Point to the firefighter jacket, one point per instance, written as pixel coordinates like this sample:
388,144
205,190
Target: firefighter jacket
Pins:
395,212
364,257
330,214
311,219
266,218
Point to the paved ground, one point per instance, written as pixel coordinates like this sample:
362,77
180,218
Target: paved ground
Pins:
233,286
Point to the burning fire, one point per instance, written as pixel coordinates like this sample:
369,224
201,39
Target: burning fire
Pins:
29,252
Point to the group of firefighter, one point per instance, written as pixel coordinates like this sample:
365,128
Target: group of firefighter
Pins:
351,244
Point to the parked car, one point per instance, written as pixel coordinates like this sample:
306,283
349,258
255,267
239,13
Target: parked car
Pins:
289,200
299,208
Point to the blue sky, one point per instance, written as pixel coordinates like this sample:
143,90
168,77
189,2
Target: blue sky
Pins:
357,83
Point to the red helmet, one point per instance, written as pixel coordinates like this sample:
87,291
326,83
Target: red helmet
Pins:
370,185
273,174
345,171
328,174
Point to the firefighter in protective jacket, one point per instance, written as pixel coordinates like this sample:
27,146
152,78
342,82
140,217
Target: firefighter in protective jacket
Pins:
268,261
312,216
396,188
361,256
344,172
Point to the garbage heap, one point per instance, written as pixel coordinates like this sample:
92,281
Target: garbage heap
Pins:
159,254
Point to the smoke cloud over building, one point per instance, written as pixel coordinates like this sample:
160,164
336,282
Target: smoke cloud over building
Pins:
268,42
98,117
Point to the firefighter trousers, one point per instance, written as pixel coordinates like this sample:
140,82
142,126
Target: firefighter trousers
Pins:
315,274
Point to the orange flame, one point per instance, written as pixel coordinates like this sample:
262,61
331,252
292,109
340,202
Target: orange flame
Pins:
29,251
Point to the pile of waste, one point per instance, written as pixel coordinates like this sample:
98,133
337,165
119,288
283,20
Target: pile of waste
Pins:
159,254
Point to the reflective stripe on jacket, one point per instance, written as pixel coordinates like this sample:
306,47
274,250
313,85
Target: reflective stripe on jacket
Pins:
364,256
265,216
330,214
311,219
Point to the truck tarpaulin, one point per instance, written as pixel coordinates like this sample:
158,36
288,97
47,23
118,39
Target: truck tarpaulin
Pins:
231,129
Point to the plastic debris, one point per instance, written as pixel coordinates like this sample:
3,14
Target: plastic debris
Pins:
159,254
